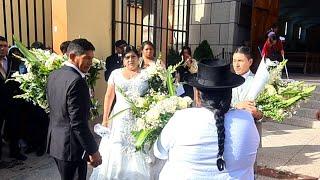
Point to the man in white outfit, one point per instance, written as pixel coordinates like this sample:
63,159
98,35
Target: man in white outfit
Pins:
241,62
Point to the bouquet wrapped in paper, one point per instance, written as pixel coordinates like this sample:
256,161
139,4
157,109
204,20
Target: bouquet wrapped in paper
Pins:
260,79
40,63
274,96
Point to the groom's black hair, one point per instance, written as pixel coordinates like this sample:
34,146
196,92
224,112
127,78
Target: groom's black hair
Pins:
218,101
80,46
244,50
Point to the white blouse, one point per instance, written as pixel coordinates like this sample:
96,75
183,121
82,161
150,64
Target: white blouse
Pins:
189,142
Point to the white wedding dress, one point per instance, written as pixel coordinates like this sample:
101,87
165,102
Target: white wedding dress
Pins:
119,158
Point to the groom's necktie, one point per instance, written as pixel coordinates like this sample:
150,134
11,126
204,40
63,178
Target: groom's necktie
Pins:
2,71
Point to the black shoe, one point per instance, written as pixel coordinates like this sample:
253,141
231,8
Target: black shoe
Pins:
40,152
19,156
3,164
29,150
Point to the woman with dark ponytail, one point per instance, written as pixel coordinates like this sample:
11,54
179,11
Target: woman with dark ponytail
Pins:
210,141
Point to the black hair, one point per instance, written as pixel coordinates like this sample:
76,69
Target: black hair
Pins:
37,45
185,48
274,25
64,46
13,50
120,43
244,50
80,46
128,49
218,101
2,38
273,37
144,43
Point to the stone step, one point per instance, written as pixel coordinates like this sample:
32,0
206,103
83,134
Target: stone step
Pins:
317,89
310,104
306,112
315,96
303,122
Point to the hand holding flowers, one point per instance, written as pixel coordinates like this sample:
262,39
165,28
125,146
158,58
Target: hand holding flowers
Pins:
279,97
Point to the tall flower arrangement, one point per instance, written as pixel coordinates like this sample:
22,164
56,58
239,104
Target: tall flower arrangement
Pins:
279,98
39,64
157,106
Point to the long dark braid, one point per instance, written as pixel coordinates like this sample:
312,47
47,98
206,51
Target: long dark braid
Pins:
218,101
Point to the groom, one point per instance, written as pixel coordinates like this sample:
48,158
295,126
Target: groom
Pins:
70,141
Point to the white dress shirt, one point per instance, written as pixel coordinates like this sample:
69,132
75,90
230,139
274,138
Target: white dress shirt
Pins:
239,94
189,142
67,63
5,64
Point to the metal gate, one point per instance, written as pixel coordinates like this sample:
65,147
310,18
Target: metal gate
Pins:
29,20
163,22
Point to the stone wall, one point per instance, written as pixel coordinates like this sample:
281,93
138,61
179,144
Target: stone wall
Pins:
216,21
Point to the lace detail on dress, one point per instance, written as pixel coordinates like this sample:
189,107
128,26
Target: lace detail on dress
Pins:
120,159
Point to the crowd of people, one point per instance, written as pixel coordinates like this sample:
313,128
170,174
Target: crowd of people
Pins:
172,159
71,143
215,139
23,126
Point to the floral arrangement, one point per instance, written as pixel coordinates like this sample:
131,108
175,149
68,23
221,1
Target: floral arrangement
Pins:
280,97
40,63
157,106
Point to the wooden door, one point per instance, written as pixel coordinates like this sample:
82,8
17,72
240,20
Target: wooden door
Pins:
264,14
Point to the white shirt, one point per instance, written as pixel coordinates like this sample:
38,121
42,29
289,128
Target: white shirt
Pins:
239,94
190,143
5,64
67,63
245,75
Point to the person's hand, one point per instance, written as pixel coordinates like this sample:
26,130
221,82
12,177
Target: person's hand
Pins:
105,123
188,61
251,107
318,115
95,159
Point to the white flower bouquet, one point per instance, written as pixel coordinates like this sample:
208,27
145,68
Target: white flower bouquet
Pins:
39,64
155,108
276,97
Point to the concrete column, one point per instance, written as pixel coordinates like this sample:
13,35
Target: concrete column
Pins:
86,19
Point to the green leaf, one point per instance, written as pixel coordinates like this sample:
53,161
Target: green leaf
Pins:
170,85
30,56
118,113
141,137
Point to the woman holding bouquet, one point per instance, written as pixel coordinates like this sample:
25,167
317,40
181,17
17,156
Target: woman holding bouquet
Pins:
209,142
120,159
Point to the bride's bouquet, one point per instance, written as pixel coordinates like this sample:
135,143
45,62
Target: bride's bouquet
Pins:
157,106
276,97
40,63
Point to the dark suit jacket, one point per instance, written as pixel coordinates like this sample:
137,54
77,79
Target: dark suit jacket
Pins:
10,88
112,62
69,103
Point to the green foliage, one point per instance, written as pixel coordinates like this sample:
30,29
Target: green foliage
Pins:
173,57
279,98
203,51
39,64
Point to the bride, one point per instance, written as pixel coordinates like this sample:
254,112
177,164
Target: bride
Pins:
120,160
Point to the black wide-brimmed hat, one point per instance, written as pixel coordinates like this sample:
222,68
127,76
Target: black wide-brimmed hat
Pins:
214,74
